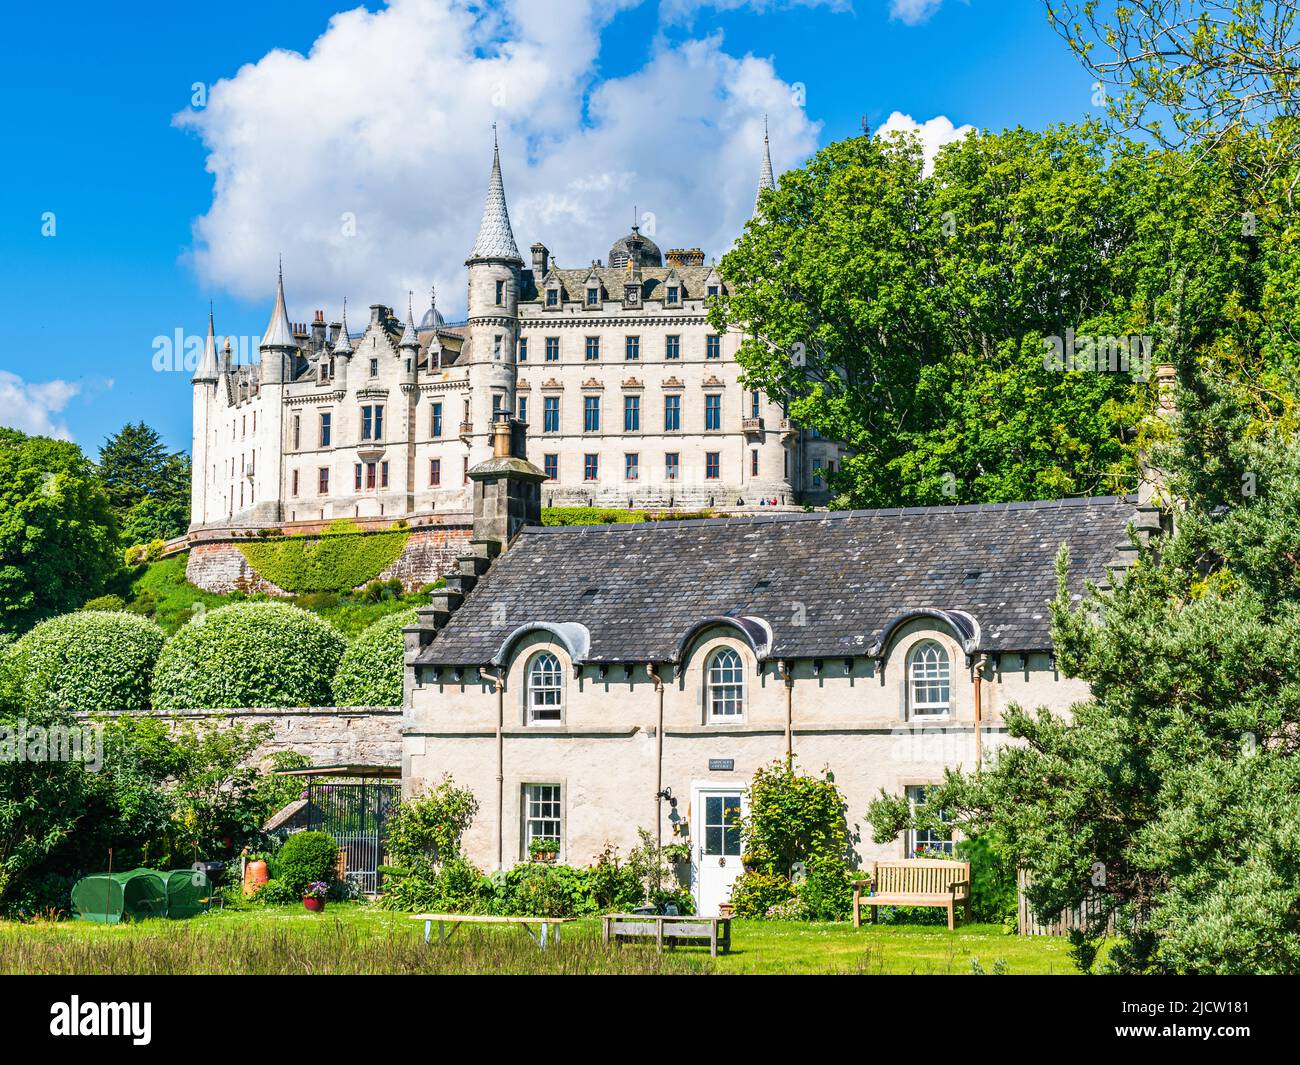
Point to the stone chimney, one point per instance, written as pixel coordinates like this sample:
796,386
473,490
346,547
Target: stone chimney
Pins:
507,487
541,256
318,331
684,257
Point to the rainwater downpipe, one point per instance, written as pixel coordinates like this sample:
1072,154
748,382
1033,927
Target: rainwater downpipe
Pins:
659,755
787,675
980,662
498,683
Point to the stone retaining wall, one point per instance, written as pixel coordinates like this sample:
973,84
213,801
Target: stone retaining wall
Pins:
328,735
217,564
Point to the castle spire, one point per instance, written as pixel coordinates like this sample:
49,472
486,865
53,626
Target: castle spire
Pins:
410,338
495,239
207,370
279,333
765,179
343,346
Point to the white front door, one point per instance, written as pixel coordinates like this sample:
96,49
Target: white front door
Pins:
716,813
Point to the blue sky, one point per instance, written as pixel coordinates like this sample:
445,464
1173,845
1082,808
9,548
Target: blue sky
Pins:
601,105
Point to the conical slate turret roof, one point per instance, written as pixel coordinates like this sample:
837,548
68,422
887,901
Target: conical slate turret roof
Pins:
207,370
495,239
765,178
343,346
279,333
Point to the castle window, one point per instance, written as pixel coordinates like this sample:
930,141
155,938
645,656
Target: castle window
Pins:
712,412
437,420
323,482
370,475
753,462
295,482
372,422
383,475
631,466
550,414
501,293
297,431
711,465
496,346
523,349
374,367
593,349
356,473
713,346
755,405
551,465
672,465
593,297
632,349
672,346
726,685
713,291
552,349
545,688
672,414
674,294
929,693
522,403
552,297
591,414
435,473
542,818
590,467
631,414
464,473
325,429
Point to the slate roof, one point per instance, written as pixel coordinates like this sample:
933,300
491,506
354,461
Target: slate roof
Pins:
693,281
639,588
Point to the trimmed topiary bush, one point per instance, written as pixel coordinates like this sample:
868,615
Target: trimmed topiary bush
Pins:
305,858
370,673
249,654
88,662
336,561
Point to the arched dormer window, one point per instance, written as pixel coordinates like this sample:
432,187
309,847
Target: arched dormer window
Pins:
544,689
725,683
928,680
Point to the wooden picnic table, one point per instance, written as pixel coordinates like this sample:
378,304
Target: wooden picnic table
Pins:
616,927
455,920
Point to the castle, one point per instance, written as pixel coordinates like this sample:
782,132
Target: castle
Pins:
629,397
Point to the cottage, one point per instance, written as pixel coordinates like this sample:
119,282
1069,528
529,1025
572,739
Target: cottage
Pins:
585,682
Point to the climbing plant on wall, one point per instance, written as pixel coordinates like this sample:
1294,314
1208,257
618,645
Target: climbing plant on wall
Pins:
341,558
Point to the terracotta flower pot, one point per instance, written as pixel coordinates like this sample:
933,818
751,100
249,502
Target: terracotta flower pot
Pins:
315,905
254,877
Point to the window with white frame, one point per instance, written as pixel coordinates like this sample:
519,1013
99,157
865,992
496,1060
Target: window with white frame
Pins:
928,683
545,688
542,819
925,841
726,685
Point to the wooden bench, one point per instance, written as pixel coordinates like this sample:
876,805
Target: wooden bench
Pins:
715,931
914,882
455,920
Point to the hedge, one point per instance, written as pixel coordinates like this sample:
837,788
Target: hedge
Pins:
88,662
370,673
333,562
249,654
615,515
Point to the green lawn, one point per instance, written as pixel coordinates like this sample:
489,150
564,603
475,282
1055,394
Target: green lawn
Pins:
358,938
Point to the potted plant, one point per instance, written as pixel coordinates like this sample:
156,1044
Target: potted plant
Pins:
544,850
677,853
313,895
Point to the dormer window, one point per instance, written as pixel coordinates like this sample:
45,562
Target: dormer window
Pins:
725,678
552,297
713,291
674,294
545,689
928,680
593,297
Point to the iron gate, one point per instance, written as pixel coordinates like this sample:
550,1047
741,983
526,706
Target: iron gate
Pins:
354,814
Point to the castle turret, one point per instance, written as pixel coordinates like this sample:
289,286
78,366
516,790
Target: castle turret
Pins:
277,350
278,344
205,395
493,328
765,179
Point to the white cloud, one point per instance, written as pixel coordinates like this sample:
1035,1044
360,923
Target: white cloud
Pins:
684,10
913,12
934,132
388,118
33,407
